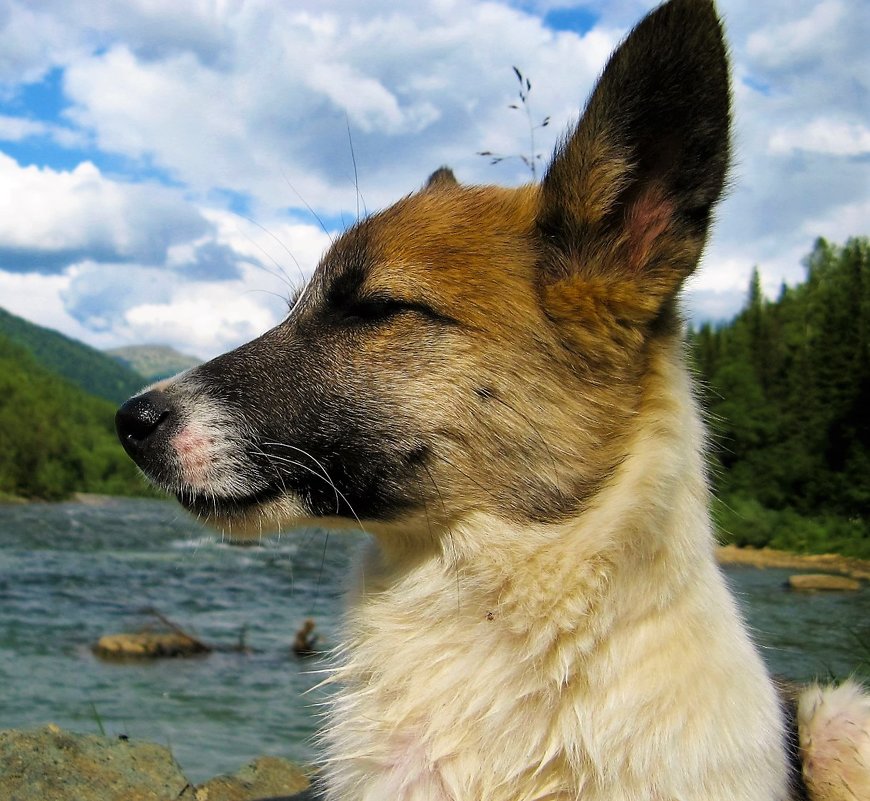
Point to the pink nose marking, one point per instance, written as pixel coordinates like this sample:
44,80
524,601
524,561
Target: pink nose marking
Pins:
194,448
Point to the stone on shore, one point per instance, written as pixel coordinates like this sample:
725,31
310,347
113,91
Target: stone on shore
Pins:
266,777
770,557
50,764
148,645
822,581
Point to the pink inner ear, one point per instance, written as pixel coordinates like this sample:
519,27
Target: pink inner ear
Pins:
646,219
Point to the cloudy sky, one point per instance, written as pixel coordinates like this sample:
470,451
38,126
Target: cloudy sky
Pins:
163,163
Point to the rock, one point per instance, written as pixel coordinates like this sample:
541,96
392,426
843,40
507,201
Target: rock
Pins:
266,777
822,581
148,645
50,764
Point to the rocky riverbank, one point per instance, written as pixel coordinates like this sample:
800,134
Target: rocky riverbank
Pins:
50,764
768,557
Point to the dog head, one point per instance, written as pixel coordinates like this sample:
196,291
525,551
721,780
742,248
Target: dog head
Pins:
469,348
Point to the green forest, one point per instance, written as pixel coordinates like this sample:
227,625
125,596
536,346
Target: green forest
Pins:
56,439
787,388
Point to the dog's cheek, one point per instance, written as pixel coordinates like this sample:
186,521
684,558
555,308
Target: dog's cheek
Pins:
369,481
378,428
401,397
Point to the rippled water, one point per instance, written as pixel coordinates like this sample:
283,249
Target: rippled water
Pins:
70,573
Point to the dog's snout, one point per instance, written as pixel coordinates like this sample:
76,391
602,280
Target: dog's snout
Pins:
139,419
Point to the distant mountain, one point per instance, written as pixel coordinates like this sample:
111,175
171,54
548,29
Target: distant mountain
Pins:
82,365
153,361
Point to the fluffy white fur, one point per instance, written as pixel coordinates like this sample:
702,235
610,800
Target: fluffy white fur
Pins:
601,660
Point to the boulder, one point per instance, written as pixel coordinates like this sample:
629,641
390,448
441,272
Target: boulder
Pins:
50,764
265,778
822,581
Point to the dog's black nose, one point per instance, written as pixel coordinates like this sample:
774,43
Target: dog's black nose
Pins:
139,419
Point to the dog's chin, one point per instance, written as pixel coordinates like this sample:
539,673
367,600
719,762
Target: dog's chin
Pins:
253,516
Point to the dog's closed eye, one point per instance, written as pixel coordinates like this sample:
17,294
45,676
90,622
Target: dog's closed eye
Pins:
375,309
378,309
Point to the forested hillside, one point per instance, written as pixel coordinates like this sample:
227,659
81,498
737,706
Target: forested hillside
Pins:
787,385
86,367
56,439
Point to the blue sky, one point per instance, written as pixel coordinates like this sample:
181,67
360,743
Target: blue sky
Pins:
160,160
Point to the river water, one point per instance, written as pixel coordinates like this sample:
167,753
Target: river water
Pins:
70,573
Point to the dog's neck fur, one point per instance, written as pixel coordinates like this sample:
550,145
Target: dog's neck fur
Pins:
432,643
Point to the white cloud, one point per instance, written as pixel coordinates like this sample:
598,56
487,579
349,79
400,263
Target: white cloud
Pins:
833,137
787,42
50,218
288,251
16,129
418,87
838,222
721,271
40,36
33,42
216,320
37,297
196,313
370,106
13,129
112,262
108,305
98,295
204,318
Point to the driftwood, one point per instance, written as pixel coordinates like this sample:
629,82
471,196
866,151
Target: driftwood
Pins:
147,644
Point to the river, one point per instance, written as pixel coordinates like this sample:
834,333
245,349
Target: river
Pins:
71,572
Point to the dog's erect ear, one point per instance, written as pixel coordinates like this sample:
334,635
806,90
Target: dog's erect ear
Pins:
627,200
441,179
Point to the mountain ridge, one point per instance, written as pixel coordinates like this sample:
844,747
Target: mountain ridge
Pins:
153,361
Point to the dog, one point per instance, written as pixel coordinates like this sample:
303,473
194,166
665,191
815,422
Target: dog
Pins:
492,383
